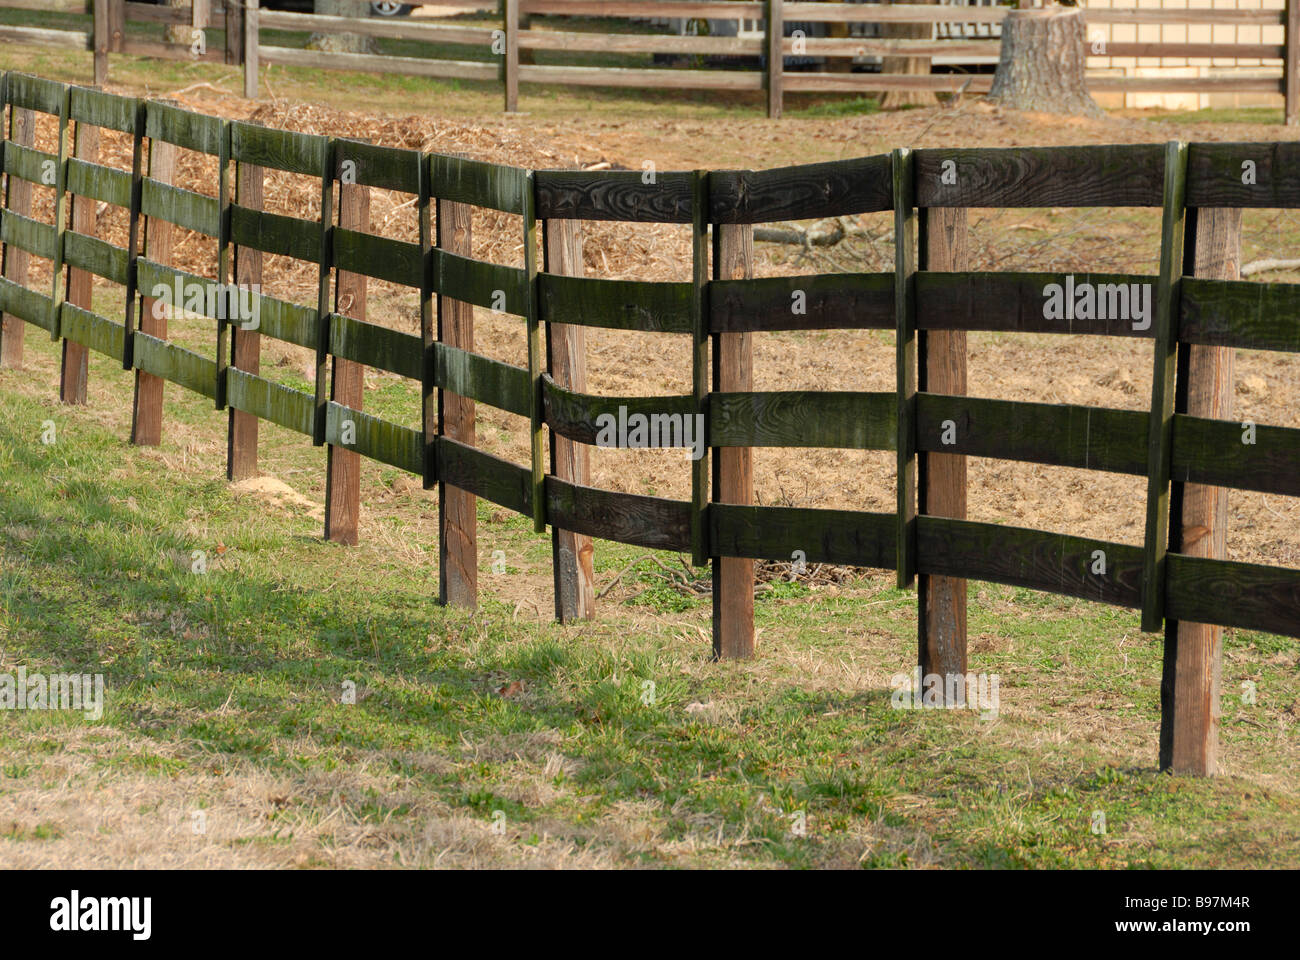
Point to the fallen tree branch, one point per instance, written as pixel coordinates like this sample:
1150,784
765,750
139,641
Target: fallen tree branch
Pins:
1267,264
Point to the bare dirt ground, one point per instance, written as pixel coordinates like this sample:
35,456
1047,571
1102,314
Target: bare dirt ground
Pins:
1082,370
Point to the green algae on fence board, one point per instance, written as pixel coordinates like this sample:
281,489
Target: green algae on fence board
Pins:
26,304
480,184
372,437
652,522
492,478
101,109
1063,435
275,233
270,401
1233,594
30,164
185,367
491,285
467,374
28,234
803,418
576,415
1240,313
375,346
387,168
185,208
96,256
397,261
36,93
98,182
96,332
184,128
655,306
285,150
1244,175
1243,456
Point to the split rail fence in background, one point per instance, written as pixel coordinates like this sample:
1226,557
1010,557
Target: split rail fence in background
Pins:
501,60
1187,445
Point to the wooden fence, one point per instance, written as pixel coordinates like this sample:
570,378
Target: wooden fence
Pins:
502,61
1187,445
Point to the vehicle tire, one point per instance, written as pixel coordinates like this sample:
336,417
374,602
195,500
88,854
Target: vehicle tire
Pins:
390,9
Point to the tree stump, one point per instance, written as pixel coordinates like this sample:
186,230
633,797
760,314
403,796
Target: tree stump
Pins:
1041,66
907,66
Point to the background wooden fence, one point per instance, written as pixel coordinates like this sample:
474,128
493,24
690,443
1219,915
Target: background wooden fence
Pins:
1187,445
502,53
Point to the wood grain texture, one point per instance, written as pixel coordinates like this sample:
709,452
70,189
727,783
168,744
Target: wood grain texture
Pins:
1242,313
651,522
1243,595
733,466
1189,688
832,301
347,384
775,34
574,415
824,536
941,476
1216,175
18,200
638,197
572,553
457,513
246,345
74,370
1092,176
1212,451
700,359
805,192
146,422
658,307
904,181
803,418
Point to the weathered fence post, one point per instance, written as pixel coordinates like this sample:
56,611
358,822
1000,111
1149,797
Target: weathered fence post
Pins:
733,467
74,369
1189,686
457,517
146,422
511,63
941,485
1291,70
251,41
18,199
775,58
572,554
245,345
1161,422
101,42
347,384
234,24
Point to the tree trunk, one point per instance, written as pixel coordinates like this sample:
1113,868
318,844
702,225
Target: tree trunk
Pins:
342,42
912,66
1042,63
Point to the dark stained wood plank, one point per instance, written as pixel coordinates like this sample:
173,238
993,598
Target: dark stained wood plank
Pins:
397,261
832,301
573,415
1055,562
1231,594
1065,435
1244,175
662,307
651,522
374,346
1212,451
639,197
803,418
572,553
1128,175
479,184
806,192
1241,313
824,536
305,153
468,470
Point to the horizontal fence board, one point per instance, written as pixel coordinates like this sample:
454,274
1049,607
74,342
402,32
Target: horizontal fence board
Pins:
863,82
1215,172
170,51
374,438
638,43
28,234
653,306
830,301
290,322
1240,313
1232,594
504,483
25,304
99,182
804,418
397,261
471,375
1185,84
1214,452
1055,562
27,163
40,36
1063,435
101,109
97,256
614,195
185,208
1242,51
1128,175
275,233
477,183
278,149
483,284
651,522
180,366
846,537
47,6
663,78
36,93
893,13
375,63
270,401
1191,15
375,346
809,192
192,131
643,8
376,27
1021,303
575,415
96,332
388,168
